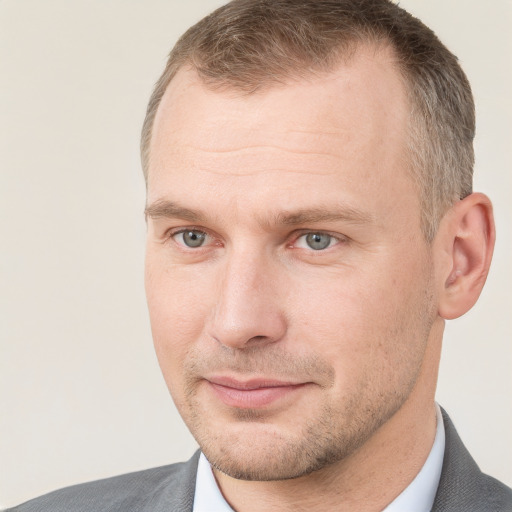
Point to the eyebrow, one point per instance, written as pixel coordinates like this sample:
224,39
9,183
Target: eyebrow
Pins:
314,215
168,209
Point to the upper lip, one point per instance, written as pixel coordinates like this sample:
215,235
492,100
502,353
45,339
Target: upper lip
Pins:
249,384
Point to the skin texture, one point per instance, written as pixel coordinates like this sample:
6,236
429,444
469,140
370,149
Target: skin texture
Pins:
341,343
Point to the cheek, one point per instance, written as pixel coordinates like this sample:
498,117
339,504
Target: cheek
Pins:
369,326
178,303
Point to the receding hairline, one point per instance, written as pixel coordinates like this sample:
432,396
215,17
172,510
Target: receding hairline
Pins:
349,53
246,45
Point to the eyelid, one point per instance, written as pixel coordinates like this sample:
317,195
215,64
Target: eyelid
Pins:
172,232
304,232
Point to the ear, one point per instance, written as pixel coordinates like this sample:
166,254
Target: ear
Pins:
466,239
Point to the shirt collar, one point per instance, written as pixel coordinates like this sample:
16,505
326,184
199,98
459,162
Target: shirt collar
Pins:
208,497
419,495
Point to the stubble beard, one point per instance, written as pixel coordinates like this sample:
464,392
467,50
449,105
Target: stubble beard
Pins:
318,440
265,453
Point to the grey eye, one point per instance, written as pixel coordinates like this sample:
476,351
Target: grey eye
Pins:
318,241
193,238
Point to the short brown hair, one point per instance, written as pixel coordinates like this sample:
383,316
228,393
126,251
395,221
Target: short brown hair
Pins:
251,44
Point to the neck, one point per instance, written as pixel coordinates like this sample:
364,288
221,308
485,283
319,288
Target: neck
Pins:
371,477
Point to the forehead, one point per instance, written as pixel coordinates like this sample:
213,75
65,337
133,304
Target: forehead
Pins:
346,127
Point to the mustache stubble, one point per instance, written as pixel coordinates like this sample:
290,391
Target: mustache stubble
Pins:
267,361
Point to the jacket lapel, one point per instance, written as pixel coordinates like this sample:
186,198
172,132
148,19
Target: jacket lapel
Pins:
462,484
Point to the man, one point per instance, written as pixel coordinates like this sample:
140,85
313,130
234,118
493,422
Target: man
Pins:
311,226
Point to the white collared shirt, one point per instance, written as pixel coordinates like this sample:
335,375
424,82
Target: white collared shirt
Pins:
419,495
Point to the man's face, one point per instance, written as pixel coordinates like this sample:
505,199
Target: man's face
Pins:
288,281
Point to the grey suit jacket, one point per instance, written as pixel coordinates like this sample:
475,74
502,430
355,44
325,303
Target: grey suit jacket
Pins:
462,488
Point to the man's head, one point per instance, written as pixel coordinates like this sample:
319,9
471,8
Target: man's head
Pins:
252,45
297,276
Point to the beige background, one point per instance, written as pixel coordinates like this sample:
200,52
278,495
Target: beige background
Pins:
81,396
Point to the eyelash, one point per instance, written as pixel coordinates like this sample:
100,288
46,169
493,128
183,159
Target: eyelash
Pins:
336,238
171,234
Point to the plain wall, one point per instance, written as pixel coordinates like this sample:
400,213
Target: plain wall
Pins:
81,396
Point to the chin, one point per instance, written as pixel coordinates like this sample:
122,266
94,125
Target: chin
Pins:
258,451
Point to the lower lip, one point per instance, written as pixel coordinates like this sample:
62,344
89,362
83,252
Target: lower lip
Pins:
252,398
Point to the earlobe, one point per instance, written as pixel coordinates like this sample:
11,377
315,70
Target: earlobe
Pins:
469,241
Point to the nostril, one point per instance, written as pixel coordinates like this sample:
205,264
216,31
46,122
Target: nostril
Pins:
258,338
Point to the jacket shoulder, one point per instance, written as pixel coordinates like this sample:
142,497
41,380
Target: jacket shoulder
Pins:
497,495
164,488
462,485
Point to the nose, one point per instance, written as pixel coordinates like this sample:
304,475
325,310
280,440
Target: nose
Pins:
248,310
